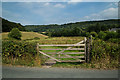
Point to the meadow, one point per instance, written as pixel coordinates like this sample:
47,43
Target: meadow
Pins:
25,35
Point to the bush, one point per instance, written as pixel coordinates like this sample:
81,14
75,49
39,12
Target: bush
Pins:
118,33
18,48
87,34
20,53
15,33
36,38
101,35
94,34
105,53
110,35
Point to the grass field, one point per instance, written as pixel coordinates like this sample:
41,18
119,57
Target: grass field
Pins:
25,35
43,39
58,40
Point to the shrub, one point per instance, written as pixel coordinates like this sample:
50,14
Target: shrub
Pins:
15,33
101,35
105,53
118,33
110,35
87,34
36,38
94,34
20,53
18,48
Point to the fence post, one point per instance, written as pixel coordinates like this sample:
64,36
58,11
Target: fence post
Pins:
91,40
37,48
85,49
90,47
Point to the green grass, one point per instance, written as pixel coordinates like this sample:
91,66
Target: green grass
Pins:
29,37
25,35
85,65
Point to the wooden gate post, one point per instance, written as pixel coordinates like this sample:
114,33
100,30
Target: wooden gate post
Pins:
85,49
37,48
90,48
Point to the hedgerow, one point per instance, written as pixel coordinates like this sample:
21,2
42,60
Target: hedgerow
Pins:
105,53
18,48
20,53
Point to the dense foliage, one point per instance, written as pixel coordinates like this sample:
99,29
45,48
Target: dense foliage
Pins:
18,48
74,29
15,33
7,25
20,53
105,53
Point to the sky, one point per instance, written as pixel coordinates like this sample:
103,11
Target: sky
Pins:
43,13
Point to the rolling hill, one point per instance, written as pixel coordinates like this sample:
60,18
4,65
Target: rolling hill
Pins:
8,25
56,27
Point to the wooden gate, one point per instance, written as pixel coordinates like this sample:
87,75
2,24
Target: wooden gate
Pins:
65,52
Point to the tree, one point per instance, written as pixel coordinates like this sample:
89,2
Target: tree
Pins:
15,33
76,31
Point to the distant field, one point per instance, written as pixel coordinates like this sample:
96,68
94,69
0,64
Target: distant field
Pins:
26,35
43,39
58,40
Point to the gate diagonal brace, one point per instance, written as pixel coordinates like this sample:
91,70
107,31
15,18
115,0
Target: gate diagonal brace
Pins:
49,56
69,48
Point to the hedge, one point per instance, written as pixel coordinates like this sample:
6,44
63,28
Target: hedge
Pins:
18,48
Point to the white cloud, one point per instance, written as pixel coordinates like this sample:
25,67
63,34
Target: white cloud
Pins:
59,6
73,3
115,4
34,0
110,13
0,10
60,0
93,0
47,4
76,0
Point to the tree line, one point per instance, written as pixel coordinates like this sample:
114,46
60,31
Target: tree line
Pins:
7,26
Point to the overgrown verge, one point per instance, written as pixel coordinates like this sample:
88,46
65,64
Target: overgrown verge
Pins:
104,55
20,53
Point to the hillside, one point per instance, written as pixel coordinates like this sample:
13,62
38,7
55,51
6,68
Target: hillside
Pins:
8,25
25,35
55,27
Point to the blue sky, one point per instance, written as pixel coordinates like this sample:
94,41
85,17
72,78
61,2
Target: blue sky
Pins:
58,12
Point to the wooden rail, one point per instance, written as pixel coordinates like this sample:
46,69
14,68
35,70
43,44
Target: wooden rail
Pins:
57,56
68,53
65,45
64,49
